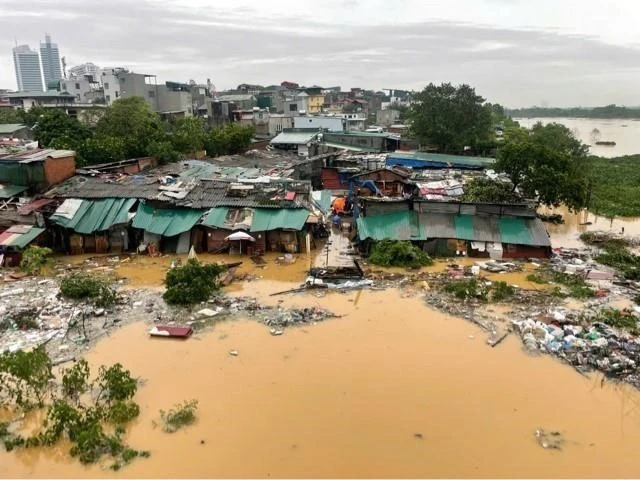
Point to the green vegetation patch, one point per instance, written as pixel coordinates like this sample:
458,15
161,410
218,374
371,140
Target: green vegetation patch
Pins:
396,253
84,286
615,184
192,283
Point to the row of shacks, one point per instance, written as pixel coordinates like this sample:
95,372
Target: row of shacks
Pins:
132,207
430,214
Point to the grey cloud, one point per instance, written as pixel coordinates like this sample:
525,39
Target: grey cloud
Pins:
514,67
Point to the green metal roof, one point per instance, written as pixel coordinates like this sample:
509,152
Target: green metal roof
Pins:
165,221
11,127
216,217
397,226
265,219
20,236
411,225
97,215
7,190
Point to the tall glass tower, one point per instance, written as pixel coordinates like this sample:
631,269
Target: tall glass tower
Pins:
50,57
27,65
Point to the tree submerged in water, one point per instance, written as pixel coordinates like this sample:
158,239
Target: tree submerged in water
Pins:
91,415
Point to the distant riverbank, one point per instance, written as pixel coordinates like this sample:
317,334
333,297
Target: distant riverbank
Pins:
608,112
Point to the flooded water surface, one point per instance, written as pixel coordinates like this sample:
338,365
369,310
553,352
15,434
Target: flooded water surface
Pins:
391,389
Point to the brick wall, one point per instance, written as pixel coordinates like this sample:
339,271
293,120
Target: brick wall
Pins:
57,170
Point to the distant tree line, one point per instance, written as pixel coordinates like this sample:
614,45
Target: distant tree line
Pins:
130,129
609,111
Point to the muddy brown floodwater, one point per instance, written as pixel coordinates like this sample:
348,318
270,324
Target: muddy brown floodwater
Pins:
349,396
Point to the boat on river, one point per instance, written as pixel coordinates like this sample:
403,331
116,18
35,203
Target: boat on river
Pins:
606,143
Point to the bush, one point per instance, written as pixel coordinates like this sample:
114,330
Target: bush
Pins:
179,416
396,253
83,286
501,291
191,283
577,286
34,259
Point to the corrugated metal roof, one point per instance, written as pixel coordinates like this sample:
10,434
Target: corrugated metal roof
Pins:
7,190
397,226
216,217
270,219
165,221
411,225
96,215
19,236
294,138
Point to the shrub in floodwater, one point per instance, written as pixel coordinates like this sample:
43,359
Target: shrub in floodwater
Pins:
501,291
624,319
179,416
534,278
84,286
191,283
621,259
467,288
34,259
397,253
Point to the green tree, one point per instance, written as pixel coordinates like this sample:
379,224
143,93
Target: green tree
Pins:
164,151
191,283
489,191
100,149
548,163
54,128
451,118
133,122
188,135
228,140
9,115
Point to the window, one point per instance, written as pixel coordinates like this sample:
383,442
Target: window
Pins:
152,94
293,107
117,94
106,85
107,98
64,87
77,86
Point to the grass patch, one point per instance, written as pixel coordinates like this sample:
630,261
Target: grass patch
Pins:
35,259
603,239
472,288
179,416
615,183
395,253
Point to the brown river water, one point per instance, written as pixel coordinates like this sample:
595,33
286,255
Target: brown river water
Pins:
346,398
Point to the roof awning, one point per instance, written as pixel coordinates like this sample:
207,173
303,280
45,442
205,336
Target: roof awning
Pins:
19,236
265,219
89,216
166,221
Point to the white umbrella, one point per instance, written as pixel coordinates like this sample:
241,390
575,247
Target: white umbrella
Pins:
240,236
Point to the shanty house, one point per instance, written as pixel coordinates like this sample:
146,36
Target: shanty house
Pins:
476,230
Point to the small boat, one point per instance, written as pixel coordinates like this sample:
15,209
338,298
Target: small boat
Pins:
606,143
171,331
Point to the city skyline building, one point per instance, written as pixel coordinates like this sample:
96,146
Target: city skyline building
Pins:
50,58
27,66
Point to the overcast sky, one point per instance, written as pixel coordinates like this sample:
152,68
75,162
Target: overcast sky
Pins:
515,52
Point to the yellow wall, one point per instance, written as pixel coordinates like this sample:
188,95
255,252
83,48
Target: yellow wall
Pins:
315,103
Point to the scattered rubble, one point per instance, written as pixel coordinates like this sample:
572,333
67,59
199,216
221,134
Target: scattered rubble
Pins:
552,440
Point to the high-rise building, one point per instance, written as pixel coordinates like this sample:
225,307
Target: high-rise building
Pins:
27,65
50,57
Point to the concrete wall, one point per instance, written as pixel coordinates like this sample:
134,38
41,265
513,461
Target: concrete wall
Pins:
278,122
333,124
135,85
80,87
110,85
387,117
171,101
